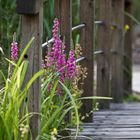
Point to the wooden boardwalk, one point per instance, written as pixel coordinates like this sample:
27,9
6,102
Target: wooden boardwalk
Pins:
120,122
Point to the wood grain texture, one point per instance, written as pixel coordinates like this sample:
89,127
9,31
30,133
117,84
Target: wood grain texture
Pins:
103,60
63,11
117,41
28,6
112,124
32,27
127,76
87,43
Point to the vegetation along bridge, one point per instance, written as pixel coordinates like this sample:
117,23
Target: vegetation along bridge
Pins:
111,49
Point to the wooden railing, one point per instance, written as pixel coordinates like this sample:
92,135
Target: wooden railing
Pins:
110,44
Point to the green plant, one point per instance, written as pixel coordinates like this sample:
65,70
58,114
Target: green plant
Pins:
14,115
12,97
13,103
132,98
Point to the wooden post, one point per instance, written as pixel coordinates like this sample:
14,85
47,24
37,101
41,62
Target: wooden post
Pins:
32,27
63,11
128,51
28,6
87,43
117,50
103,60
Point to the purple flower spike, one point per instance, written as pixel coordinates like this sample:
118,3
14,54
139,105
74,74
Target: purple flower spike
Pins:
58,52
56,60
14,51
71,65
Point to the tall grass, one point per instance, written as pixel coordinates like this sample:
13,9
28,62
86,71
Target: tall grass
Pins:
12,96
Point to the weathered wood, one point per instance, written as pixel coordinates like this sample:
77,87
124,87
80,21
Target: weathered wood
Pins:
63,11
117,41
117,112
32,27
103,60
125,106
28,6
127,76
113,127
87,43
110,126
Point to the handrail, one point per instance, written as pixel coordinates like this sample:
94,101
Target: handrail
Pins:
98,52
73,29
98,22
78,26
80,59
47,42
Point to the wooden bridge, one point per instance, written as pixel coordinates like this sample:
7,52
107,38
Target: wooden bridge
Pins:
120,122
114,71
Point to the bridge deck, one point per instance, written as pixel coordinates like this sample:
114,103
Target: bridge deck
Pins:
120,122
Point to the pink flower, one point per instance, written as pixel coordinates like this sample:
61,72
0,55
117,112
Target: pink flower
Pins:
14,51
55,60
58,51
71,65
49,58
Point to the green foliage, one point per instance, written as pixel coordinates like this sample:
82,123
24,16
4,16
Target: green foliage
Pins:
48,18
132,98
12,97
54,108
9,24
13,103
136,6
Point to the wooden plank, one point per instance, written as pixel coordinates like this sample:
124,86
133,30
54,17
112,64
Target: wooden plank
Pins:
118,134
113,118
87,43
103,61
28,6
128,51
98,117
117,138
117,113
114,122
117,50
109,125
113,137
125,106
32,27
112,129
106,138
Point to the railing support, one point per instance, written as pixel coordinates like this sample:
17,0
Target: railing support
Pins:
31,26
103,61
63,11
128,51
86,41
117,42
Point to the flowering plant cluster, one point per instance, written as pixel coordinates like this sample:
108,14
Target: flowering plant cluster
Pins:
63,68
61,78
56,61
14,49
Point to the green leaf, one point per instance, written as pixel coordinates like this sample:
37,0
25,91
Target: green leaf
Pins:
75,107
